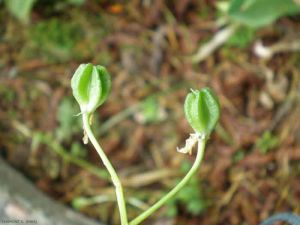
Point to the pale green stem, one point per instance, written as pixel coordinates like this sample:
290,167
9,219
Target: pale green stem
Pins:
114,177
176,189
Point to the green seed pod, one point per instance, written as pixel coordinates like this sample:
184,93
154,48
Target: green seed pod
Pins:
91,86
202,110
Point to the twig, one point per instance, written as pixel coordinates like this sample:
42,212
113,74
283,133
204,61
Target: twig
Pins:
267,52
220,38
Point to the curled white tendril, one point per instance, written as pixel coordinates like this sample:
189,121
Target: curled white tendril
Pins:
191,142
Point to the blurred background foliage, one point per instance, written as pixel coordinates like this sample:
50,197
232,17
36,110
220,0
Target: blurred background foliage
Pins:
246,50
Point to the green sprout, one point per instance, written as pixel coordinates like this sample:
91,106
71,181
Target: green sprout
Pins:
91,86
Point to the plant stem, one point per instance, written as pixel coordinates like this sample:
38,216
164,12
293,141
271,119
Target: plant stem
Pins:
114,177
176,189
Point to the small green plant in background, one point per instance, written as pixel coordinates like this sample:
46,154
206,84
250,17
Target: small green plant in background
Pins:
238,155
68,123
267,142
55,40
91,86
150,112
7,95
77,150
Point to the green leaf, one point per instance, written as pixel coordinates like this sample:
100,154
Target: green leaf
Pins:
202,110
243,36
20,8
257,13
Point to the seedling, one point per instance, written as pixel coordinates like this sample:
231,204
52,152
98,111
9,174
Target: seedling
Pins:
91,86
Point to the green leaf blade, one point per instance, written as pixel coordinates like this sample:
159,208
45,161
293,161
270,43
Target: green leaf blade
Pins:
258,13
